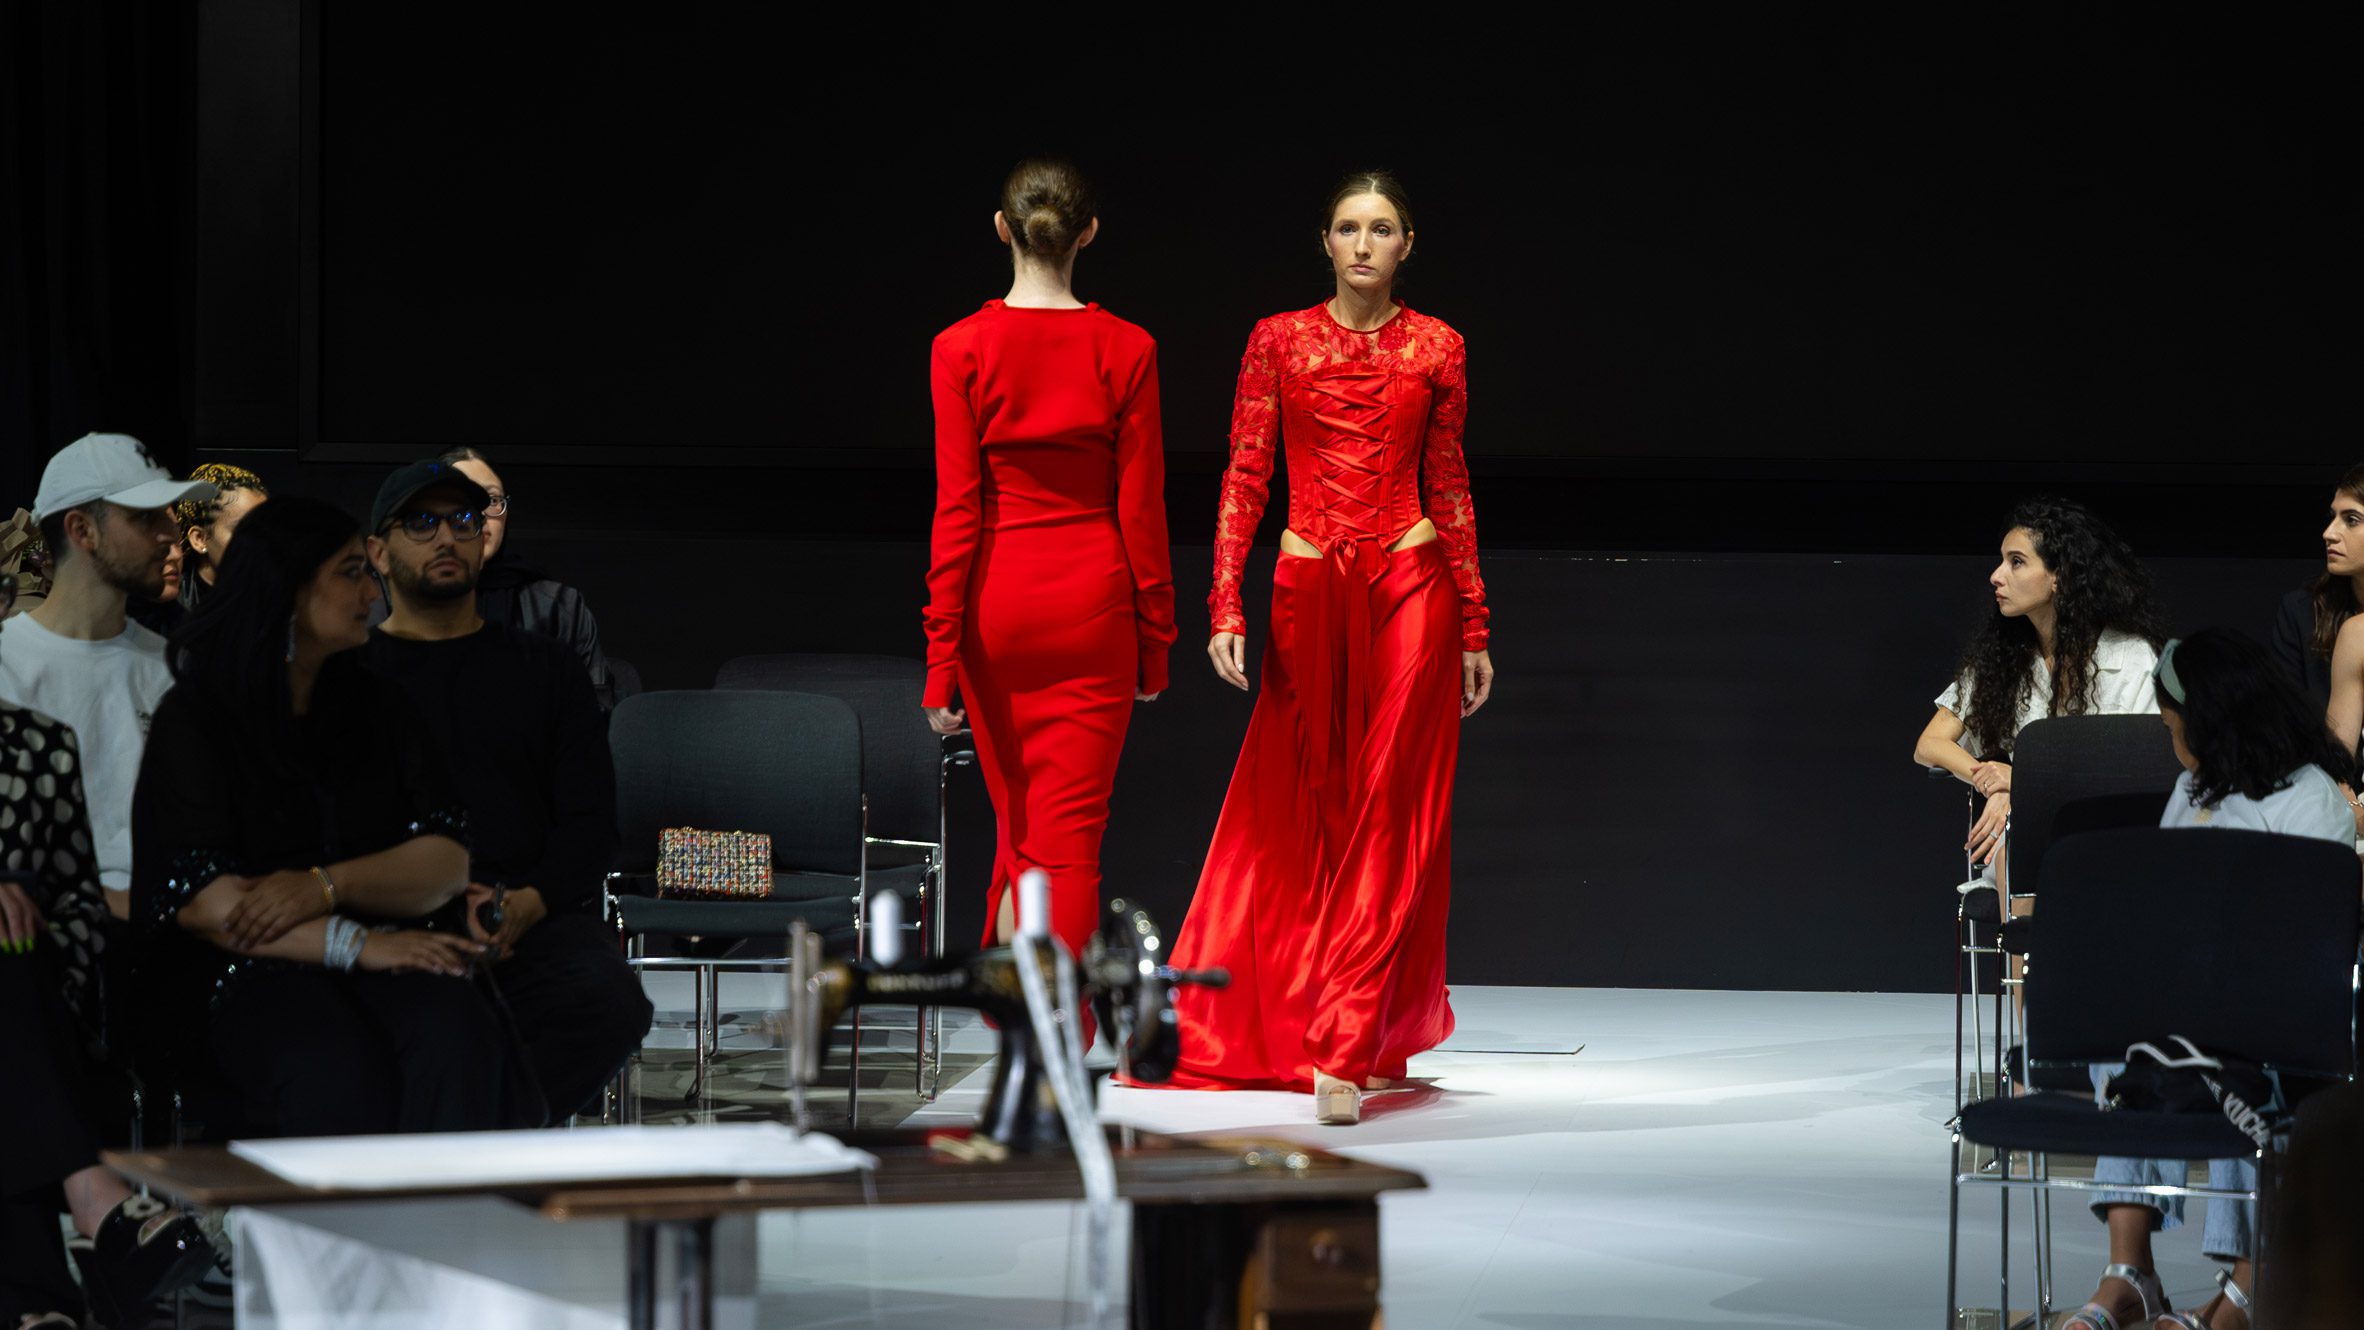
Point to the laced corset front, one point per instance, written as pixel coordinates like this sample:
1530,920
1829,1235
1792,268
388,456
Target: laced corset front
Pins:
1372,423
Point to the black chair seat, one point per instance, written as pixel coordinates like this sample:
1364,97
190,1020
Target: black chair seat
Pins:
2068,1124
732,919
823,901
1982,906
2074,1080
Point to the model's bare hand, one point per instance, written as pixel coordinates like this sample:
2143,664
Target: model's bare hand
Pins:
1991,777
1229,651
1477,681
947,720
1147,697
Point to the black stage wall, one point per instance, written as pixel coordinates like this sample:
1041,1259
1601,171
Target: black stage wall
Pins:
1770,315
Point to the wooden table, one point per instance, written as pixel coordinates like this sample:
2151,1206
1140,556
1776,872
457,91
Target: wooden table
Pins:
1259,1234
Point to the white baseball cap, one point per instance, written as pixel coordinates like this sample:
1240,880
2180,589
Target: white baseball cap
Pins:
114,467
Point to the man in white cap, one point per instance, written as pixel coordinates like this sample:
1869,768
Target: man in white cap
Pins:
105,512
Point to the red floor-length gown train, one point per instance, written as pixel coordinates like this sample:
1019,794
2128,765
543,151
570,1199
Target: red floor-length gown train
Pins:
1325,890
1050,589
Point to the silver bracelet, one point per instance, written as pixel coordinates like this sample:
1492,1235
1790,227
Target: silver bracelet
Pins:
341,949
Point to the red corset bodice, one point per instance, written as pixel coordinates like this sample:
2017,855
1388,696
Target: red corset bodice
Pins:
1372,425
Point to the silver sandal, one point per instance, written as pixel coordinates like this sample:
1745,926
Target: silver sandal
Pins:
2094,1316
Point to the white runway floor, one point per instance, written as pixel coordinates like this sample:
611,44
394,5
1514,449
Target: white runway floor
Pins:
1709,1159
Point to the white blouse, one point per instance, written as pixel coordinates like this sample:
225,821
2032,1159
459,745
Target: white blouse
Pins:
2122,665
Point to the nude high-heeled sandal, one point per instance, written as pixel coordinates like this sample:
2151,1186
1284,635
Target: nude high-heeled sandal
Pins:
1336,1103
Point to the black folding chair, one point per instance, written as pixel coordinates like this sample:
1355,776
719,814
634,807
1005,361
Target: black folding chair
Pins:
2261,933
788,765
2068,774
906,772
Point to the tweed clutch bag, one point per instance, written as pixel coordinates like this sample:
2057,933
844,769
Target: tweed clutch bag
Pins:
714,865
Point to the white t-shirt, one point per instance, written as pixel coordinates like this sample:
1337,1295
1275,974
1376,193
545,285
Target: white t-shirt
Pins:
2310,805
2122,665
106,691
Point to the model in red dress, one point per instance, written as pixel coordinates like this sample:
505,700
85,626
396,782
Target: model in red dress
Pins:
1325,890
1050,591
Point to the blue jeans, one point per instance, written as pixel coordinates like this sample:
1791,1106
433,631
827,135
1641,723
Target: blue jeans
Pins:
2226,1234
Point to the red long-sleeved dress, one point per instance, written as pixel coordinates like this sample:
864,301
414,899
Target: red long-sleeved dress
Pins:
1050,588
1325,890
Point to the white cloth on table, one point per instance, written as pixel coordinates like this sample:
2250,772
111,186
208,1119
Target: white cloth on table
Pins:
592,1154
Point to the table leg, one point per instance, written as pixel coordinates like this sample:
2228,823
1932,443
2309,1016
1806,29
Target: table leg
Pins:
1265,1266
694,1270
640,1273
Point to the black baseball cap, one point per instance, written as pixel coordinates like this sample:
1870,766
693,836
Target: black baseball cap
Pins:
417,478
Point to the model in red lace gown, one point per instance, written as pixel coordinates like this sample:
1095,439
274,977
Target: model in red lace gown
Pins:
1325,890
1050,593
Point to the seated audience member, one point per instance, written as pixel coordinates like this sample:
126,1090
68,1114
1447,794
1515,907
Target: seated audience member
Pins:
293,825
2315,1281
25,558
527,745
512,593
2257,757
54,1115
207,524
78,657
2307,628
2073,633
163,612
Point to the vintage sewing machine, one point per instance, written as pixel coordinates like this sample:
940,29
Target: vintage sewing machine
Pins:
1122,974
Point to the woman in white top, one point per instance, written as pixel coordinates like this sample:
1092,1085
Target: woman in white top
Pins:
2257,756
2073,633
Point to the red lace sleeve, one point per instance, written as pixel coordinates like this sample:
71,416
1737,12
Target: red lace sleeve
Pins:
1444,485
1255,431
953,542
1141,521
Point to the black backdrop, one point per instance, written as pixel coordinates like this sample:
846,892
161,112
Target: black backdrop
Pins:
1770,316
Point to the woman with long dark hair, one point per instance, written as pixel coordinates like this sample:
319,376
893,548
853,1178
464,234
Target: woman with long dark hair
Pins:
2073,633
1050,591
1326,887
292,828
2257,757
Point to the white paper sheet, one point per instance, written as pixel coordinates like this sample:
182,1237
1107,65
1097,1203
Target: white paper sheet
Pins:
585,1154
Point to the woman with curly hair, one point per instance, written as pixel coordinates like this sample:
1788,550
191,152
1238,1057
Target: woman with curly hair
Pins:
2073,633
207,525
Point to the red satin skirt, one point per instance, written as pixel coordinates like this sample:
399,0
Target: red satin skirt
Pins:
1049,658
1325,891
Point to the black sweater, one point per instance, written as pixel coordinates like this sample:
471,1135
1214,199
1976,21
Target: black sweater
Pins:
2294,645
527,747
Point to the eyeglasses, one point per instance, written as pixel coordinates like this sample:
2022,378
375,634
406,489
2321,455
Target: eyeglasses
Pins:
467,524
496,505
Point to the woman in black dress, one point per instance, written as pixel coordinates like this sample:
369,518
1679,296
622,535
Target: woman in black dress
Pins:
297,855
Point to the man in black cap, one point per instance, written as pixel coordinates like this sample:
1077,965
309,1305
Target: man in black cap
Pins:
528,746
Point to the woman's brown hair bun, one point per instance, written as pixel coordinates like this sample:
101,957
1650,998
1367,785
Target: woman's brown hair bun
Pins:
1047,204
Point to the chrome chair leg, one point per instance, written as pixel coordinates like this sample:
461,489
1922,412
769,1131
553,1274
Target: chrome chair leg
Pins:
704,979
1953,1235
2043,1227
2003,1240
1977,1024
